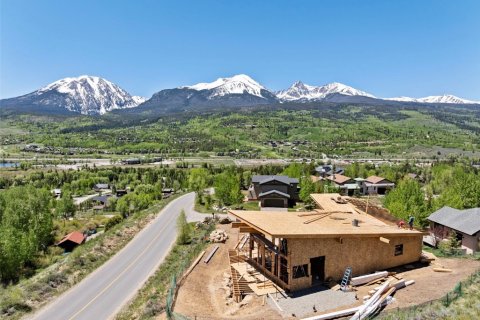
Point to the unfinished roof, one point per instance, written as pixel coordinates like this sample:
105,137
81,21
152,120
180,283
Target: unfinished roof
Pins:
264,179
331,202
375,179
291,225
335,220
466,221
339,178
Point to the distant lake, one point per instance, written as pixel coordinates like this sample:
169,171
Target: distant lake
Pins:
9,164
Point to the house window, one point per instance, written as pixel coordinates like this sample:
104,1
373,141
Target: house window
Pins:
398,249
300,271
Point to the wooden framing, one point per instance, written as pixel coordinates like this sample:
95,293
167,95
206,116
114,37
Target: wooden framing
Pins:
239,224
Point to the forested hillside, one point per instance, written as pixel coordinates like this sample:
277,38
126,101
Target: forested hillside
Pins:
344,130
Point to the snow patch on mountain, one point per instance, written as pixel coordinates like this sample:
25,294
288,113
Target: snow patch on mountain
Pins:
446,98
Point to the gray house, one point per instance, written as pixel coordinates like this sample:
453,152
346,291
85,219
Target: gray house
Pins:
274,191
465,223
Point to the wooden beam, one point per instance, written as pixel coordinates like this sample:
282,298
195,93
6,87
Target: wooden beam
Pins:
319,213
210,255
367,278
317,218
248,230
384,240
239,224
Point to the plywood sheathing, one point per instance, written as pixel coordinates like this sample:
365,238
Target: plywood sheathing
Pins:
290,225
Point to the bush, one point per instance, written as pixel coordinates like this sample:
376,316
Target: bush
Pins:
113,221
183,229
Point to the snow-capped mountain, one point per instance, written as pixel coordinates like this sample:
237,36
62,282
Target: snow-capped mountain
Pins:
446,98
238,84
85,94
237,91
304,92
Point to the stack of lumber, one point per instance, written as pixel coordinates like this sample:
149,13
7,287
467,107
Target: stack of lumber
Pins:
357,281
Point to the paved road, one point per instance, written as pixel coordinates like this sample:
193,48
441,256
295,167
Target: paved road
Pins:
102,294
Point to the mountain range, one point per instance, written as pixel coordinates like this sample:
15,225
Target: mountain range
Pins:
96,96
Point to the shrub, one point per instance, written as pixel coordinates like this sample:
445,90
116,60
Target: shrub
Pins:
113,221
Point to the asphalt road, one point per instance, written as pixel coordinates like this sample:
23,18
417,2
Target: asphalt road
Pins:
103,293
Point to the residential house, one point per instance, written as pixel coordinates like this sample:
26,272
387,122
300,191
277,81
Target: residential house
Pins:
274,191
328,170
465,223
374,185
346,184
71,240
300,250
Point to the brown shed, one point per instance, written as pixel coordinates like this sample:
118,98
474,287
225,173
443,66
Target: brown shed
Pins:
71,240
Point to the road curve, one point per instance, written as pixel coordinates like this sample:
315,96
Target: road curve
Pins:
103,293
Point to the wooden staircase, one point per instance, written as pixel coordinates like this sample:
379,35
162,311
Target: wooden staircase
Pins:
240,286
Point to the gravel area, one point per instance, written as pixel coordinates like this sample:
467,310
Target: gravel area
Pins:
303,302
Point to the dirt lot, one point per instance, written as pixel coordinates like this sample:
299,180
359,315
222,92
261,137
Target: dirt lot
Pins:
202,295
429,285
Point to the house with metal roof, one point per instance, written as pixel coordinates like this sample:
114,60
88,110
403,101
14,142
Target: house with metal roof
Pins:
274,191
71,240
465,223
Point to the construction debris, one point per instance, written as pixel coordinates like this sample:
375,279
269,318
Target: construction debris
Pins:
399,285
368,278
218,235
442,270
371,304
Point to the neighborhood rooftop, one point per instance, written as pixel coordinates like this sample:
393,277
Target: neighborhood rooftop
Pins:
263,179
466,221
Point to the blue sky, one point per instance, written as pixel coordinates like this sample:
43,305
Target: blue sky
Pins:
388,48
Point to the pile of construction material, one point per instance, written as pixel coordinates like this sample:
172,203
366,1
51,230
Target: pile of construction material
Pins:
376,298
218,235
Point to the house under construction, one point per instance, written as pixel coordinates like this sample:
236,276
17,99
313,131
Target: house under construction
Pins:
297,250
